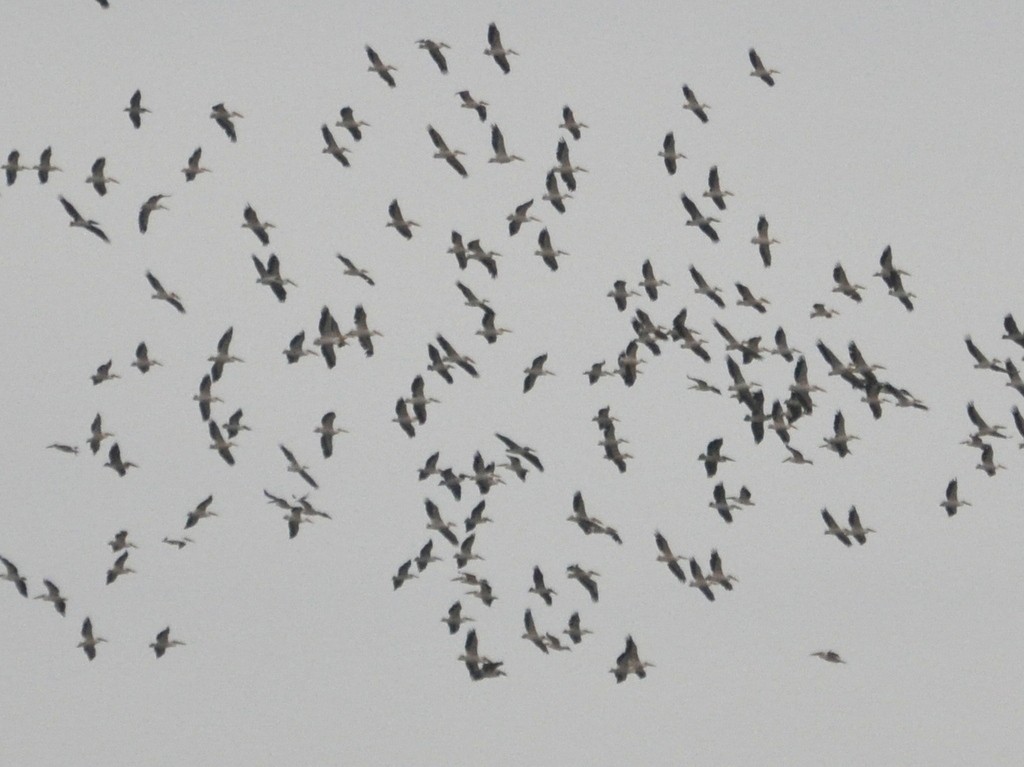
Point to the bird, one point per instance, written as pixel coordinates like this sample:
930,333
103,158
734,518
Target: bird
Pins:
452,481
665,555
403,419
118,568
694,105
554,195
575,631
795,456
223,355
650,283
400,223
844,286
164,642
135,109
698,219
298,468
201,511
565,168
89,641
121,542
539,588
629,662
717,575
257,227
435,522
952,502
349,122
330,336
988,464
984,430
332,148
496,50
981,361
12,166
531,632
98,177
748,299
586,579
698,581
760,70
476,517
103,373
468,102
669,154
151,204
820,310
484,592
193,168
451,355
455,618
270,275
142,360
527,453
161,294
839,442
712,456
97,435
721,503
221,445
53,595
893,278
620,294
77,220
465,553
114,461
451,156
856,530
402,575
471,297
501,156
834,529
179,543
434,49
535,371
571,124
520,217
715,191
378,66
352,270
699,384
362,331
828,655
45,167
426,556
458,249
72,449
703,288
205,397
764,241
11,574
222,116
487,327
327,432
419,400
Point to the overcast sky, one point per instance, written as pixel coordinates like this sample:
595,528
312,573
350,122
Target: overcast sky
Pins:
886,127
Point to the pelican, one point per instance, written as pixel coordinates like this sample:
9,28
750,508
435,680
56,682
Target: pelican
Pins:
844,286
121,542
520,217
856,529
253,223
103,373
295,519
485,477
717,575
699,220
571,124
434,49
438,364
426,556
565,168
763,241
535,371
330,336
142,360
498,144
483,592
694,105
705,289
1018,421
468,102
713,456
496,50
205,397
118,568
163,642
97,435
12,166
531,632
981,361
455,618
516,467
159,293
475,251
952,502
604,419
221,445
332,148
1015,382
223,116
984,430
270,275
135,109
53,595
476,517
180,543
465,553
401,225
539,588
327,432
72,449
891,276
11,574
748,299
362,331
839,442
760,70
89,642
650,283
527,453
988,464
201,511
586,579
597,372
193,168
45,167
298,468
669,154
554,195
548,253
352,270
485,670
782,347
98,177
350,123
451,156
488,329
620,294
629,662
403,419
665,555
378,66
721,504
436,523
471,298
841,534
699,384
419,400
151,204
715,191
575,631
699,581
795,456
744,498
858,363
820,310
829,655
223,355
451,355
77,220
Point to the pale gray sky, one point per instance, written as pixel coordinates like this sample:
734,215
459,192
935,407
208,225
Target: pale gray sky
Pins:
897,126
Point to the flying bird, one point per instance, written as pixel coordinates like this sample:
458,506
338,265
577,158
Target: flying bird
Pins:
629,662
571,124
468,102
298,468
223,355
834,529
253,223
89,641
221,445
12,166
699,581
539,588
77,220
694,105
98,177
403,419
103,373
378,66
399,222
327,431
205,397
151,204
520,217
201,511
715,191
828,655
222,116
53,595
451,156
142,359
45,167
434,49
332,148
436,523
669,154
535,371
501,156
119,568
349,122
164,642
11,574
496,50
699,220
193,168
352,270
665,555
586,579
952,502
760,70
161,294
135,109
764,241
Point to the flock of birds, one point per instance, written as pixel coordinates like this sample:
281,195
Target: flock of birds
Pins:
647,342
